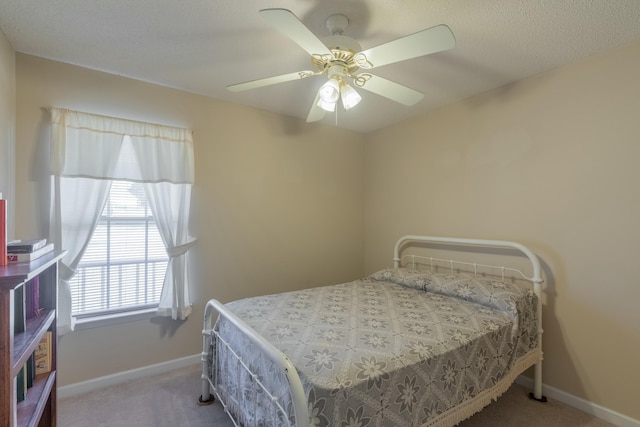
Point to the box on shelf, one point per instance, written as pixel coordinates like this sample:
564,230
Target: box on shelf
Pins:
43,354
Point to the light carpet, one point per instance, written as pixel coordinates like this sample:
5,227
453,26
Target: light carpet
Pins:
170,400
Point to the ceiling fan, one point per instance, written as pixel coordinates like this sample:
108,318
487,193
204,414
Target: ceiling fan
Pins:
342,60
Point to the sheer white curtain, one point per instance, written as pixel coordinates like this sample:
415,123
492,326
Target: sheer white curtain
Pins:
88,152
170,205
77,207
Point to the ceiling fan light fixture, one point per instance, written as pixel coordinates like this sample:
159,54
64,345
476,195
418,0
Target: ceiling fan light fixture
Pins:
330,91
350,97
339,58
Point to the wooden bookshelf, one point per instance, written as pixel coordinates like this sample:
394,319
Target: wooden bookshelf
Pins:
39,406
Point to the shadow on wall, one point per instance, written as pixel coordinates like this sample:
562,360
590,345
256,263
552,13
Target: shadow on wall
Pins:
558,362
554,346
40,174
167,326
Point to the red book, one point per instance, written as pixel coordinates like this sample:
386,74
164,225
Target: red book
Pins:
3,232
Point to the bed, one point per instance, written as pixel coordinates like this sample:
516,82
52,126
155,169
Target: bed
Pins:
428,342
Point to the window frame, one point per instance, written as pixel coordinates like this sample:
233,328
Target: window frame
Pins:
109,315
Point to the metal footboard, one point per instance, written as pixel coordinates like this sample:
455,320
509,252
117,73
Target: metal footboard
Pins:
279,359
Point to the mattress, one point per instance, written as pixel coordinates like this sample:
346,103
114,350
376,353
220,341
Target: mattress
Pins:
397,348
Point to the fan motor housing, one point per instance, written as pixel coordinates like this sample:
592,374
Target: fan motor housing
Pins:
343,49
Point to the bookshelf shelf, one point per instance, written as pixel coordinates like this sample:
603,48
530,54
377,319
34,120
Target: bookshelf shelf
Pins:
20,334
30,410
25,343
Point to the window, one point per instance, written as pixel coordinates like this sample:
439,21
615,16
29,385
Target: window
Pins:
116,253
125,262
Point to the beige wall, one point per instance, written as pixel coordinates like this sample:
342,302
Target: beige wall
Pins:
7,121
553,162
277,203
550,161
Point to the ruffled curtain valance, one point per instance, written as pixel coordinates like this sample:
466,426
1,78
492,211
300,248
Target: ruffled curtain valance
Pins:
90,146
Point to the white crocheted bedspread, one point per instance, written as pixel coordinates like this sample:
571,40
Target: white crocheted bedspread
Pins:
398,348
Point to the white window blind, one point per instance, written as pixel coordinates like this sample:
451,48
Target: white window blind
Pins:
124,265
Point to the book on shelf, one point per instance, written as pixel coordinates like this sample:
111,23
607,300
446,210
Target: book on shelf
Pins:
32,298
19,318
31,369
21,386
25,246
32,255
43,354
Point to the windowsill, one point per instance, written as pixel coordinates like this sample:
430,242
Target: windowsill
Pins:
114,319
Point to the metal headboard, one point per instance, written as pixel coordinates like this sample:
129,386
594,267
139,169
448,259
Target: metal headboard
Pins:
535,279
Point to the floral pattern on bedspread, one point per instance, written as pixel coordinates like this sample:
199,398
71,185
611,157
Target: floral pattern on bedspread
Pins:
395,349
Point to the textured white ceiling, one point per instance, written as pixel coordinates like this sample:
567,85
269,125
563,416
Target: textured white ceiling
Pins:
202,46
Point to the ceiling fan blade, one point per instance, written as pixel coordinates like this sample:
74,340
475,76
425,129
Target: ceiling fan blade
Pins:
392,90
315,113
253,84
425,42
288,24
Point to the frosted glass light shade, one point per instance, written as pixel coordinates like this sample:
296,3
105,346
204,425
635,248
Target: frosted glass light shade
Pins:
350,98
330,91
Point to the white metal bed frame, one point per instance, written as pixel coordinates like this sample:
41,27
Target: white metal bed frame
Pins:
299,400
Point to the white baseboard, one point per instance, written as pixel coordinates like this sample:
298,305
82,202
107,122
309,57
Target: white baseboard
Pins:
590,408
121,377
